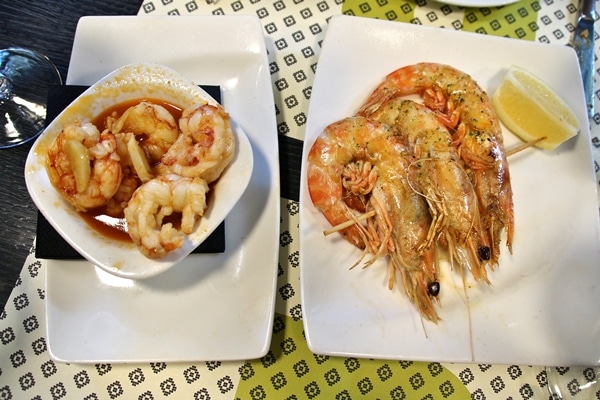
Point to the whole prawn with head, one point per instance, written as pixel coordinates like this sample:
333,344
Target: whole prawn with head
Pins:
437,174
464,107
355,168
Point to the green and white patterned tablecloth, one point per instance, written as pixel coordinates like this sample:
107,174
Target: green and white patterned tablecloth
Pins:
295,30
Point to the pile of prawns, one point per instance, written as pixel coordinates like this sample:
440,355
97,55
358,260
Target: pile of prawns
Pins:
145,166
404,179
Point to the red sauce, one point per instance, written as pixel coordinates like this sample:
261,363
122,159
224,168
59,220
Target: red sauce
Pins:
116,228
110,227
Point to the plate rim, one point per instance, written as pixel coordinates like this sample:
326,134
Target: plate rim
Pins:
478,3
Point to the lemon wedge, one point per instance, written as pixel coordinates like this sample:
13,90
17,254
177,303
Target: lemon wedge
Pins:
531,109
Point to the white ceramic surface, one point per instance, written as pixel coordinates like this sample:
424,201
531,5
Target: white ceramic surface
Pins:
208,307
132,82
541,308
478,3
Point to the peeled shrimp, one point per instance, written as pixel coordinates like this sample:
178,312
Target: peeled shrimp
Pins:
356,165
153,125
160,198
463,106
205,145
83,165
410,254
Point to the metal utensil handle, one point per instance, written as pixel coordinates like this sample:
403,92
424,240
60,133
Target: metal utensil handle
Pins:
588,10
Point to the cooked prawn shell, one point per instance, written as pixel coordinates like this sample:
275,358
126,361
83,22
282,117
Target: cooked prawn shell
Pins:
413,259
464,107
438,175
205,146
341,144
357,165
160,198
83,165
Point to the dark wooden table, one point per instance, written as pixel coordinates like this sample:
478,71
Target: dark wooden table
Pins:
47,26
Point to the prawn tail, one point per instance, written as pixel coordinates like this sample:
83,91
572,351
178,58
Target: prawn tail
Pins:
376,100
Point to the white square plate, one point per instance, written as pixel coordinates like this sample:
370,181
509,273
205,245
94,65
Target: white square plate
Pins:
541,308
208,307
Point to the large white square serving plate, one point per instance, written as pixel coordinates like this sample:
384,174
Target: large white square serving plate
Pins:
210,306
541,308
